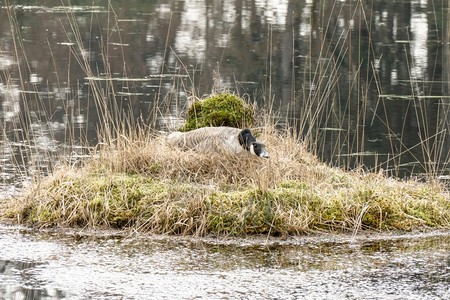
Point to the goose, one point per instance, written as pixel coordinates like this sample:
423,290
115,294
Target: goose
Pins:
218,139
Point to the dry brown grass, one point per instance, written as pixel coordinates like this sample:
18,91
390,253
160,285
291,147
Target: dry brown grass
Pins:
141,183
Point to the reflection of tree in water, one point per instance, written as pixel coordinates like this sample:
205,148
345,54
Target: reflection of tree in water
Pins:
26,285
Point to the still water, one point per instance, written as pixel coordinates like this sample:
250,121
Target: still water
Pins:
69,265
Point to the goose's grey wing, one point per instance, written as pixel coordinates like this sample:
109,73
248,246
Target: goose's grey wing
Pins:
207,139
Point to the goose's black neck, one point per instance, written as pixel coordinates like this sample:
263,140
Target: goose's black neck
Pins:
246,139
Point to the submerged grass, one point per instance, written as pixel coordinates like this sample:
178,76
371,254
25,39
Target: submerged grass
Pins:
141,183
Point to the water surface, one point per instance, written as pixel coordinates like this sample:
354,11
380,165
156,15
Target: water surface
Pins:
51,265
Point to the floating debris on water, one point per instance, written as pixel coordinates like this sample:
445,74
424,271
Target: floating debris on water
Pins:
365,153
332,129
147,78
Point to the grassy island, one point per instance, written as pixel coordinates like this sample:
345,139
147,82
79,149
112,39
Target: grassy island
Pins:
139,182
133,180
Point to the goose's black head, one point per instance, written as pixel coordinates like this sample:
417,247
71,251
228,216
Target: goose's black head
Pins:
249,143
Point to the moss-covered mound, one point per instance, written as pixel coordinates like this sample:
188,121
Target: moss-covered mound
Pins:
219,110
148,186
119,200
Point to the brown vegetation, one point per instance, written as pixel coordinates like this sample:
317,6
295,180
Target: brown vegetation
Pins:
141,183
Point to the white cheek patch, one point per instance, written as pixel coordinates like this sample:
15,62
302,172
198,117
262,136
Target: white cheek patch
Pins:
264,154
252,150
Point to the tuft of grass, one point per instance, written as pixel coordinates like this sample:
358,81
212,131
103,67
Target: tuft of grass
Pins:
219,110
141,183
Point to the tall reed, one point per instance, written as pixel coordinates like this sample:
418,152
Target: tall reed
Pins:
334,125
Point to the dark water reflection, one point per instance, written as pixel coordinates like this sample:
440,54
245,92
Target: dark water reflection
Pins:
383,68
51,265
29,288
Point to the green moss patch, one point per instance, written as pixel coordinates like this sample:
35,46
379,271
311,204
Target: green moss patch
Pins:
120,200
98,199
219,110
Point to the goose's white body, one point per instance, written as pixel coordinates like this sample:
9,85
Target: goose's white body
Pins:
219,139
208,139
